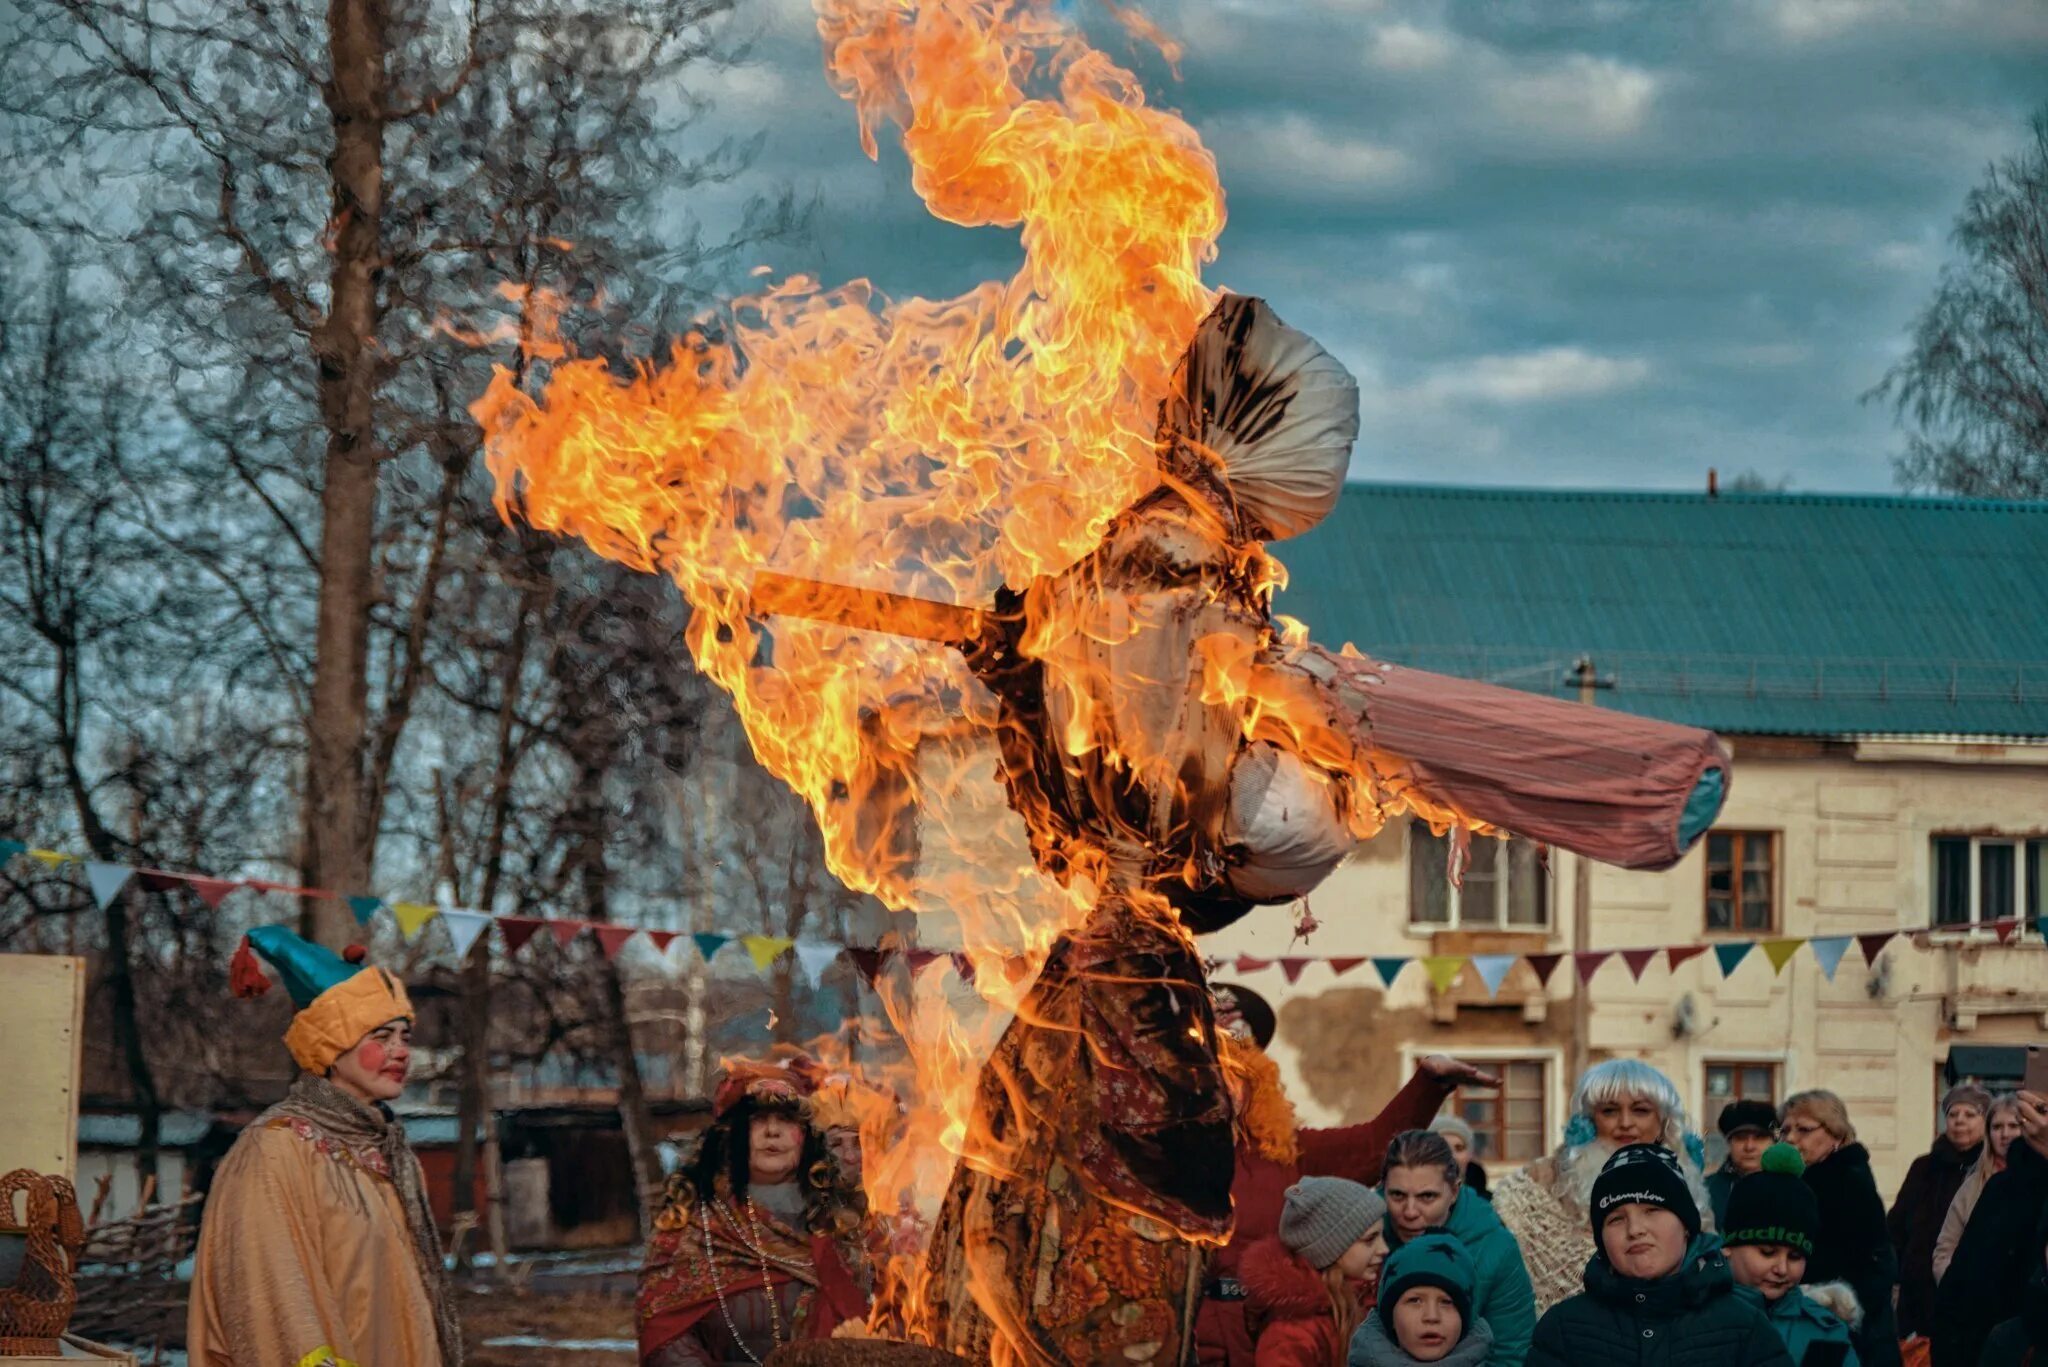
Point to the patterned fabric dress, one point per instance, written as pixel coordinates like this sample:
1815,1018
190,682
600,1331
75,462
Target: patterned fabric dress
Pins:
1091,1247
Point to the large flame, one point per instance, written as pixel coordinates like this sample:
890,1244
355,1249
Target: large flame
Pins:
937,449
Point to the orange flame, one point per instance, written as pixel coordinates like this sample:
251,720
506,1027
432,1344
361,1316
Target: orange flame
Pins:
938,449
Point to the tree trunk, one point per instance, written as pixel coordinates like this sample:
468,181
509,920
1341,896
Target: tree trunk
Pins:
633,1114
473,1107
339,842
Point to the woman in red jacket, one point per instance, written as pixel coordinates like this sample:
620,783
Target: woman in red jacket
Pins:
1307,1290
1273,1153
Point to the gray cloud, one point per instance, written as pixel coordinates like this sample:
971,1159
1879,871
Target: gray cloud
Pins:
1571,241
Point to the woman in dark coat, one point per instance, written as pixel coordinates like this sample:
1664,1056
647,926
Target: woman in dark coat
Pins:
1854,1246
2000,1251
1658,1291
1931,1185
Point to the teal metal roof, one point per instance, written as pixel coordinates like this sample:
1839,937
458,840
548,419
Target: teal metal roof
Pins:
1800,614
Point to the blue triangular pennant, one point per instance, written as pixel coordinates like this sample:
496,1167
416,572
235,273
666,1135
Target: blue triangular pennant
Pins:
1828,951
709,942
1493,970
1389,969
106,881
10,848
1731,955
364,908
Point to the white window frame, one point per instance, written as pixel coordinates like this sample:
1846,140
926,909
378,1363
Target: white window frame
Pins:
1978,920
1546,927
1555,1089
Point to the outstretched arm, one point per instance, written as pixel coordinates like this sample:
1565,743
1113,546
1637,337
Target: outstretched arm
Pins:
1358,1152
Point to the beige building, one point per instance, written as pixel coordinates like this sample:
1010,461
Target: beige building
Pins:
1890,774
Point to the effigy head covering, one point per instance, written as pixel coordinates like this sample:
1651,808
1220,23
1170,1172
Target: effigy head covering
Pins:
339,998
1270,409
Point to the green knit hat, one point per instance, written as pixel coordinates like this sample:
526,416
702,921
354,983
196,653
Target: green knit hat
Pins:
1437,1260
1773,1205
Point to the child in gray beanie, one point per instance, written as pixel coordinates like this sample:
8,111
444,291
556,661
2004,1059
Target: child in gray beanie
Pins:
1306,1291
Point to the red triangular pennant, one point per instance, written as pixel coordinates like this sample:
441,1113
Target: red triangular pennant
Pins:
613,938
1292,968
963,965
517,930
1339,967
662,939
1873,944
867,962
2005,930
1589,962
1637,960
156,880
1674,955
212,891
921,959
1542,965
1247,964
565,932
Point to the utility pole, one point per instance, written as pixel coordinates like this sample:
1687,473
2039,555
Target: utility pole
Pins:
1587,678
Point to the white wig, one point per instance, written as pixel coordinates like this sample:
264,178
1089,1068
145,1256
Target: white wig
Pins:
1619,1079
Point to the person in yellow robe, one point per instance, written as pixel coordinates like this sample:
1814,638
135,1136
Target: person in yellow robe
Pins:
317,1247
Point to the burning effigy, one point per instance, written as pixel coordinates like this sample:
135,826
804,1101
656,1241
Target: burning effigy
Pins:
1031,523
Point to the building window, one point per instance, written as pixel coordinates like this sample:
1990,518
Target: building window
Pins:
1982,878
1507,1125
1506,885
1742,880
1728,1082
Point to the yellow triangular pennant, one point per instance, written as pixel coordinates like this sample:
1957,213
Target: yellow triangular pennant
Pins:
1779,951
765,949
1443,970
51,859
412,915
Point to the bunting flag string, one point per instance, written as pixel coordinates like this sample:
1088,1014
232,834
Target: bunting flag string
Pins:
105,881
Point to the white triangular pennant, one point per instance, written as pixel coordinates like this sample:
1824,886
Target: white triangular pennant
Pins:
106,881
814,959
1828,951
463,928
1493,970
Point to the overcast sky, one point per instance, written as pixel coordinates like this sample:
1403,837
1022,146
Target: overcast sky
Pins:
1578,242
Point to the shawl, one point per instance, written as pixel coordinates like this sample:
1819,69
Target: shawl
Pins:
703,1253
375,1139
1555,1235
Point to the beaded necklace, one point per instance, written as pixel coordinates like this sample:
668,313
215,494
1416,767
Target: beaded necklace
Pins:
757,1245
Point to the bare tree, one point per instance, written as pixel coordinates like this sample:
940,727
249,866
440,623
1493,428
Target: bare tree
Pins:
1973,391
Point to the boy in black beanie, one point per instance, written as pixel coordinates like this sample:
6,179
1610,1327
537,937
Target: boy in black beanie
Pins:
1658,1290
1772,1220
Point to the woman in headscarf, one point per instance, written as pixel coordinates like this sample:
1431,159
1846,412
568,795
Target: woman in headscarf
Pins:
1546,1205
318,1248
757,1243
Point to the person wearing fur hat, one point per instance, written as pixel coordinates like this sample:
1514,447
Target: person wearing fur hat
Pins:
1272,1151
1772,1221
1545,1205
1306,1288
1748,1128
758,1240
317,1248
1658,1290
1424,1311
